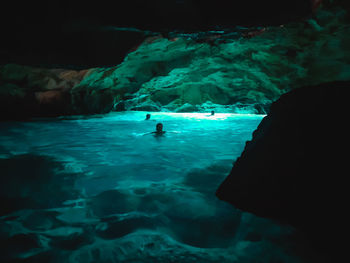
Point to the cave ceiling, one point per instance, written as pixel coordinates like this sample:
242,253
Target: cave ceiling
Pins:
73,33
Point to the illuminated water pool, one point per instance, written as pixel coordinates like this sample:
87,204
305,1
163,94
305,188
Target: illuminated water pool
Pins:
104,189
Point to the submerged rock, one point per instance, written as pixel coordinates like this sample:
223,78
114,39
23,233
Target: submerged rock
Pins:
31,181
295,167
18,245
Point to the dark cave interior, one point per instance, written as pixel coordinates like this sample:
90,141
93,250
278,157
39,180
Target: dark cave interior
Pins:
260,84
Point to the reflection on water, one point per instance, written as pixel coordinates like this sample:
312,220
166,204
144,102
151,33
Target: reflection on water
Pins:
103,189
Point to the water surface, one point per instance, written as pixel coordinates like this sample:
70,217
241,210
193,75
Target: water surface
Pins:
105,189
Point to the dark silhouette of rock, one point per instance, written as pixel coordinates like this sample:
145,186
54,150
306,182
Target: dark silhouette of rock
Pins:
295,168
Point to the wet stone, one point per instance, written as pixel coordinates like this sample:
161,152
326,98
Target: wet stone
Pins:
119,228
109,203
40,220
73,241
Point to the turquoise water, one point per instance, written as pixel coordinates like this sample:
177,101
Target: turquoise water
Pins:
104,189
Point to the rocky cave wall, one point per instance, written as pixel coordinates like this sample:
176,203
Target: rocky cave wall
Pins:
228,70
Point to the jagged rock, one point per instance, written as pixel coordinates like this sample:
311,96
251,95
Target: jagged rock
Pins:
146,107
119,106
29,92
171,73
247,72
91,101
295,167
239,75
187,108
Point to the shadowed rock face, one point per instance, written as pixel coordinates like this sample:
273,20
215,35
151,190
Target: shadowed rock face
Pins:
295,167
33,92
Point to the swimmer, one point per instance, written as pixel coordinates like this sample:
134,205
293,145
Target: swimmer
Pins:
148,116
212,113
159,129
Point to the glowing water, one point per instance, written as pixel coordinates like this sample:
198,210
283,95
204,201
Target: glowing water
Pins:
119,146
106,190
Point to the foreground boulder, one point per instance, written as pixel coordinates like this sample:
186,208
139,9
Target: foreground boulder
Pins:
295,168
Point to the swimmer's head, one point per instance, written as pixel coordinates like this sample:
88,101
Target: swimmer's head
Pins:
159,127
212,112
148,116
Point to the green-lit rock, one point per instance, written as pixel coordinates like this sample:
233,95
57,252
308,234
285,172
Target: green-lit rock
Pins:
246,73
235,73
187,108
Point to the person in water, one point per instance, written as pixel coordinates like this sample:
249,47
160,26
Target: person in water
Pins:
148,116
212,113
159,129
